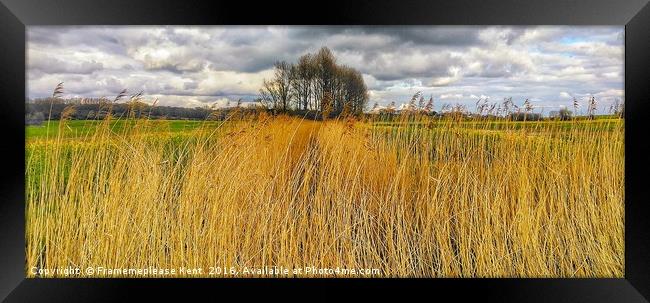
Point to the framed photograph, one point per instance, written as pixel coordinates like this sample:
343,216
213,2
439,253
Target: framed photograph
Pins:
212,148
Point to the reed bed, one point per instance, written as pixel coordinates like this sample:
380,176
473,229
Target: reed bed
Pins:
412,197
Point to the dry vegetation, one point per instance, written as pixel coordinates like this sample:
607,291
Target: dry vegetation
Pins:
418,198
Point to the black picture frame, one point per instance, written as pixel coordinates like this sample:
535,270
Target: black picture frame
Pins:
15,15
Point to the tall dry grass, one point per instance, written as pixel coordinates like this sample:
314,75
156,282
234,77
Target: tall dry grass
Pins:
417,198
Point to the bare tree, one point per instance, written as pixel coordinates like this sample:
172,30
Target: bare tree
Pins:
325,65
312,81
302,81
277,92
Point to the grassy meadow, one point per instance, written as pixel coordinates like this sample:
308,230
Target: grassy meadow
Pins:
416,197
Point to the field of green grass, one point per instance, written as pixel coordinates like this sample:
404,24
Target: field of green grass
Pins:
82,128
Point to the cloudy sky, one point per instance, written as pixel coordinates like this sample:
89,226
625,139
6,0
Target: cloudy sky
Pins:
195,66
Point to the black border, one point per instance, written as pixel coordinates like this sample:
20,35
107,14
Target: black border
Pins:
634,14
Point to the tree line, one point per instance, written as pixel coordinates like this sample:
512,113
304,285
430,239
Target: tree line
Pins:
42,109
315,83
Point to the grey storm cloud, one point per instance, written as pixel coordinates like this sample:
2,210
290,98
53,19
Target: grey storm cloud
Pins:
189,66
438,35
52,65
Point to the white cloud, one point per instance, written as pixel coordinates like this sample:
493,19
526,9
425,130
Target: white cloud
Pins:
194,66
455,75
451,96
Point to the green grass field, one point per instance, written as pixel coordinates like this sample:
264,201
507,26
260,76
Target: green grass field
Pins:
82,128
